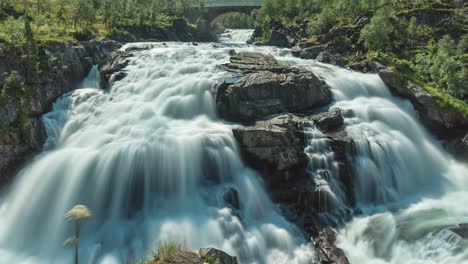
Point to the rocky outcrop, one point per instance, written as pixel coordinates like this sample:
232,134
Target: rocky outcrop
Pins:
211,255
327,251
458,146
267,88
111,68
279,39
329,121
22,133
276,148
327,57
444,122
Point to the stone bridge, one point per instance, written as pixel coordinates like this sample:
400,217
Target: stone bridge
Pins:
215,11
217,8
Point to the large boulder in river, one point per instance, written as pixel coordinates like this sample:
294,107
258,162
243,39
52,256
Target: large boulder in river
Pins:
329,121
267,88
275,147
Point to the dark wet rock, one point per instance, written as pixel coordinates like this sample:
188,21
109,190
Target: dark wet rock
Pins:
231,197
279,39
99,48
335,59
267,88
458,146
327,251
367,67
329,121
112,68
232,52
296,51
460,230
211,255
311,52
275,147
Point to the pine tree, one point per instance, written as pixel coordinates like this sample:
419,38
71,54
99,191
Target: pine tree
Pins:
30,49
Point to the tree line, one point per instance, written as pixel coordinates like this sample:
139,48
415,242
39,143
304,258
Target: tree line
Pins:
434,56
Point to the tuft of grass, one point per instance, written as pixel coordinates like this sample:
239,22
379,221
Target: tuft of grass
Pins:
165,252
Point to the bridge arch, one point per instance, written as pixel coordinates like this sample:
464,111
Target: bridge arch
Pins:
245,20
213,12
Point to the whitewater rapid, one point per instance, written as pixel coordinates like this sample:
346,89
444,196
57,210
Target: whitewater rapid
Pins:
410,190
152,160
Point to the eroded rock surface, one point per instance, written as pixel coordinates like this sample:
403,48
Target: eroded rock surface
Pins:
267,88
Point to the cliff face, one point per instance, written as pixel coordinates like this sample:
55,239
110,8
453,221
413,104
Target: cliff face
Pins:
22,133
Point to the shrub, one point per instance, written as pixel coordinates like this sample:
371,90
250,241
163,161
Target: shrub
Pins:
13,85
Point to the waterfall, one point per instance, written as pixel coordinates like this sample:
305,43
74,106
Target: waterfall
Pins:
324,170
152,160
410,190
236,36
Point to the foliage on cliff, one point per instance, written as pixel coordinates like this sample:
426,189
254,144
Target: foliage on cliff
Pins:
425,40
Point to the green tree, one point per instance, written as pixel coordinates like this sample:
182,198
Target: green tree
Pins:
412,30
77,214
13,85
376,34
85,12
15,33
30,50
463,45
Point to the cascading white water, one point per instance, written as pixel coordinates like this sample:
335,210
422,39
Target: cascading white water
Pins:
235,36
324,170
152,161
410,190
